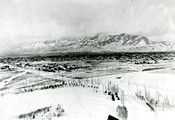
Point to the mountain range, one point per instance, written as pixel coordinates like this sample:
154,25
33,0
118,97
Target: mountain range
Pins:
97,43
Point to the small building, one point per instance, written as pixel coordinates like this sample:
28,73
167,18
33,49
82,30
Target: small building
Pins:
110,117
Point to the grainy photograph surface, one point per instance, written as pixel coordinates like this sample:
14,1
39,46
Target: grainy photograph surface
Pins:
87,59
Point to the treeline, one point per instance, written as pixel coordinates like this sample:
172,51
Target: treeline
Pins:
95,56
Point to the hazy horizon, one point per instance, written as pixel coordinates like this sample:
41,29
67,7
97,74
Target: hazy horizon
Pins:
28,21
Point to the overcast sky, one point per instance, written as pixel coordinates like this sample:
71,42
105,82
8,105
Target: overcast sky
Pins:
24,21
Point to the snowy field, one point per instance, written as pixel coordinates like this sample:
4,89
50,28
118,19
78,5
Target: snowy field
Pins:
79,103
84,103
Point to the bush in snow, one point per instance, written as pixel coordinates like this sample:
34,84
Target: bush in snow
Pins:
122,112
139,95
56,111
147,96
59,111
165,103
156,100
34,113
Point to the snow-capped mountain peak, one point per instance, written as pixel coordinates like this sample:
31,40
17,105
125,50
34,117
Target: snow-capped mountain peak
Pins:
97,43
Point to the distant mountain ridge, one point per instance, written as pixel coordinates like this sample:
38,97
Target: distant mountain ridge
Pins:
98,43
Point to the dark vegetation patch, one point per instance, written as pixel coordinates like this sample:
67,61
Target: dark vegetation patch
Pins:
44,113
94,56
149,69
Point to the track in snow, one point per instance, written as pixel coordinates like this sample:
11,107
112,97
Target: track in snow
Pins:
137,109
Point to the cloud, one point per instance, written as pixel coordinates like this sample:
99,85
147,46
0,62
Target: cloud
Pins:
53,19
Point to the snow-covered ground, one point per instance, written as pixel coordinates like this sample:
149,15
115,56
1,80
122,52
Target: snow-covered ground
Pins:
79,103
85,104
6,81
153,82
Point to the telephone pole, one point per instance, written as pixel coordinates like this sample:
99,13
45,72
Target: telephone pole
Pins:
122,98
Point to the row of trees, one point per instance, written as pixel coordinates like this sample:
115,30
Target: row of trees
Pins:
155,99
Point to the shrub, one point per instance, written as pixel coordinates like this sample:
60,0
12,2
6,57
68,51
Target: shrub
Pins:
58,111
152,101
122,112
